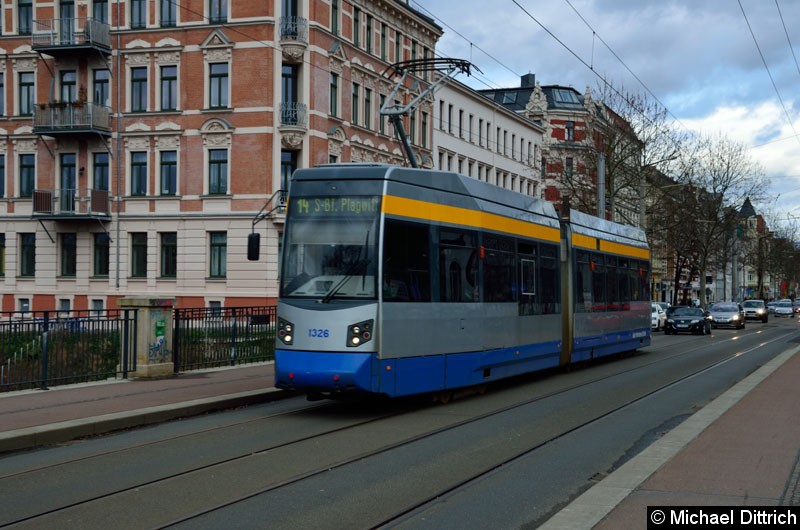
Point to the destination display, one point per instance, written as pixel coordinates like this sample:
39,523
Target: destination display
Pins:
321,206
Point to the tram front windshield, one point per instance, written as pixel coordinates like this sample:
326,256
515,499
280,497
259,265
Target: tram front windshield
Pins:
330,248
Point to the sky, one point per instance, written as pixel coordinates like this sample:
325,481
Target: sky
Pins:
718,66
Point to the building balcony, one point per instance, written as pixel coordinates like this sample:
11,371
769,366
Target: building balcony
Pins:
59,36
72,204
294,38
69,119
294,125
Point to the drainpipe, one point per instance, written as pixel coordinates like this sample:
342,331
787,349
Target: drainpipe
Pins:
119,139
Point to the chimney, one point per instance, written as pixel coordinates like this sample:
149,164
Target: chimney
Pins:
528,81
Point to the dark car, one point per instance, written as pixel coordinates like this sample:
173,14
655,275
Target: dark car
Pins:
756,310
728,314
691,319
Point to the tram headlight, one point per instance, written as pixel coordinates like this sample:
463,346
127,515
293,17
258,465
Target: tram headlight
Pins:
359,333
285,331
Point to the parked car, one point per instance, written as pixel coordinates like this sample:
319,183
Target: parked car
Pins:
755,310
691,319
784,309
665,306
727,314
771,307
657,316
796,305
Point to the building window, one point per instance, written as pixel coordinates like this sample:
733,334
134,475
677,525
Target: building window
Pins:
27,93
2,94
218,254
100,171
218,89
368,108
568,166
100,10
102,251
27,255
217,171
356,27
169,254
424,130
139,173
169,172
169,87
69,254
335,17
383,42
334,95
569,131
2,255
100,90
69,91
368,39
25,17
138,13
69,182
356,99
398,46
97,307
381,117
288,165
139,255
27,175
167,13
138,89
218,11
289,110
2,176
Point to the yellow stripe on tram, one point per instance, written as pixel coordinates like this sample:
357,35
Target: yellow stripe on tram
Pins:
428,211
593,243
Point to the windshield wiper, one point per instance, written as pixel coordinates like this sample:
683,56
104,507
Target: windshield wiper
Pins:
351,270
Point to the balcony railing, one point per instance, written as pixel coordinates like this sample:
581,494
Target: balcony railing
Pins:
88,203
294,28
295,114
70,32
69,117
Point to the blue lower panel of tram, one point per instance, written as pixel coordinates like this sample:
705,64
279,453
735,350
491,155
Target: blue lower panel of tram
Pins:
353,372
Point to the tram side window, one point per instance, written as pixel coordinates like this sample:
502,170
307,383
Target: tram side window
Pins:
599,284
499,268
406,262
550,298
458,266
624,286
528,277
642,280
583,282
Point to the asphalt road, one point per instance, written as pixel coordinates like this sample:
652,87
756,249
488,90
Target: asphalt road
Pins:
507,459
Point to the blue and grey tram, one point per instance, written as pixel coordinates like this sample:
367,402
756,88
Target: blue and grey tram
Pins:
398,281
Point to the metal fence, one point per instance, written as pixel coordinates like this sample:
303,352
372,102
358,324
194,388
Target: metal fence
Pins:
223,336
40,349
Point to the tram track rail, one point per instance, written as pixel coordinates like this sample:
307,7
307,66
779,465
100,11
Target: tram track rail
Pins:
400,515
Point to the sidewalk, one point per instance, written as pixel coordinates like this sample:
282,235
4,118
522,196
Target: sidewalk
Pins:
741,449
39,417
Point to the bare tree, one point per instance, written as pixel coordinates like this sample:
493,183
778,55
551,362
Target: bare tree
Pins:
721,176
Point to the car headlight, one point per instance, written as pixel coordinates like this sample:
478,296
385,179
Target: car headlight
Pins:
735,317
696,321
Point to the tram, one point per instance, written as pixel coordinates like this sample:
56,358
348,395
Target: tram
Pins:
398,281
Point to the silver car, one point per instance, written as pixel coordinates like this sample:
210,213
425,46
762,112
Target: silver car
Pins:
728,314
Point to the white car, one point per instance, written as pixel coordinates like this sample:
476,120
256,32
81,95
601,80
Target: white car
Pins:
657,316
784,309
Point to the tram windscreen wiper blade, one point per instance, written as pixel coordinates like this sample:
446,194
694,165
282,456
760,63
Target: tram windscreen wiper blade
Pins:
351,270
